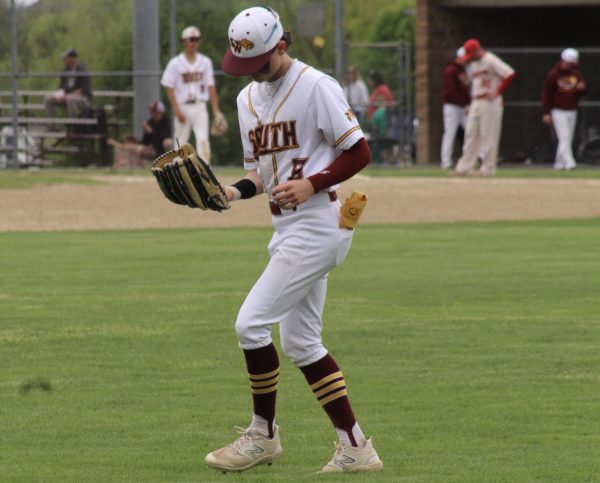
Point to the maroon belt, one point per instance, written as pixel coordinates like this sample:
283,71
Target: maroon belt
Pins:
276,210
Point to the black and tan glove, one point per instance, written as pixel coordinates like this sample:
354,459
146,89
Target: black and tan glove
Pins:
186,179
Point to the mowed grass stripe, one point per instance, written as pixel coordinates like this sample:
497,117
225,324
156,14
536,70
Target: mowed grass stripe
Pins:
470,352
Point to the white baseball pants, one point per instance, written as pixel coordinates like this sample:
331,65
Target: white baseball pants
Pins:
482,136
196,118
454,116
564,125
306,246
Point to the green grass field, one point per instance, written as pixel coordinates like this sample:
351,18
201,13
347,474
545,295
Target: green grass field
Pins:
471,352
25,179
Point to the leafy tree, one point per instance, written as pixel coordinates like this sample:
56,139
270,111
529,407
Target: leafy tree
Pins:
101,32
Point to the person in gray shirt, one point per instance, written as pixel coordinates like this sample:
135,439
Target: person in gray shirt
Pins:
74,91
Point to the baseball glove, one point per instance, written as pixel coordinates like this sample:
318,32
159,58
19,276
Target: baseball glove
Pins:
219,125
351,210
185,179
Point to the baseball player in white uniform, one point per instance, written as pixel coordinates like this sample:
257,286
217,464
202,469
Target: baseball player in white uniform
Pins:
190,83
300,140
490,77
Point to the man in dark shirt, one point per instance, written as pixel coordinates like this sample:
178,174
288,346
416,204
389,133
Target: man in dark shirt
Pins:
456,104
74,90
157,130
128,153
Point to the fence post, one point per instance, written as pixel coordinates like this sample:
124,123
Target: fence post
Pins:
145,58
14,53
339,40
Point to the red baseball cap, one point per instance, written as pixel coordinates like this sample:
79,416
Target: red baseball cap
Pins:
471,46
253,34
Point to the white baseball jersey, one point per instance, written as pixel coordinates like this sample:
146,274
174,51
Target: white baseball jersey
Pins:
190,81
487,74
295,127
291,129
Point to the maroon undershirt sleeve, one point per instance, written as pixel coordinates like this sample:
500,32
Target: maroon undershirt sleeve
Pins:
343,167
505,83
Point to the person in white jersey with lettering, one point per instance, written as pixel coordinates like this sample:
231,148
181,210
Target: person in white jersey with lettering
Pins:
490,77
190,84
300,141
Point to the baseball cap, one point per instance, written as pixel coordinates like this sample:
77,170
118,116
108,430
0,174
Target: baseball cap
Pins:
471,46
69,53
190,33
253,34
156,106
570,55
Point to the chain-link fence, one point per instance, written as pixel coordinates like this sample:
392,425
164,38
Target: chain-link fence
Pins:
45,29
393,61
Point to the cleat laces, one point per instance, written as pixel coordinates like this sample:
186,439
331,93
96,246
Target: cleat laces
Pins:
245,438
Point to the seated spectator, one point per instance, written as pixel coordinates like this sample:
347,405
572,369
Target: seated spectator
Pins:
157,130
156,140
74,90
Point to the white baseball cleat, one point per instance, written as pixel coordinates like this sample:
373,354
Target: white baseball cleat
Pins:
252,448
352,459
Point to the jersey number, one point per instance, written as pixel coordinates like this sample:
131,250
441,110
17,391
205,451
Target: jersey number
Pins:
297,168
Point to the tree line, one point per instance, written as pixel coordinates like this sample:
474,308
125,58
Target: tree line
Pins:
101,32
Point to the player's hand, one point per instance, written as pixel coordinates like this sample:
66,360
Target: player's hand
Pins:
180,115
580,87
546,119
290,194
229,193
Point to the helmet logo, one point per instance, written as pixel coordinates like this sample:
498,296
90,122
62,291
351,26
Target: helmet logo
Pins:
238,45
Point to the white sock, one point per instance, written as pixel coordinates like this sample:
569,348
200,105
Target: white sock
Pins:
260,423
359,437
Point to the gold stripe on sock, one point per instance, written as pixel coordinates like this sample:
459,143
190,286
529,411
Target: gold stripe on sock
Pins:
267,390
266,382
330,388
335,395
325,380
266,375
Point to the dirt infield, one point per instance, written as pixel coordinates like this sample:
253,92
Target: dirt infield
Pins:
135,202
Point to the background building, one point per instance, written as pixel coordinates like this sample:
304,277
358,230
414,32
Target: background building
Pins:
529,35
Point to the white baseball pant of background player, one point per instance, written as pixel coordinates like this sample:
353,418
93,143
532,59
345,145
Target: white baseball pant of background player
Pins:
482,135
484,125
454,116
564,122
196,119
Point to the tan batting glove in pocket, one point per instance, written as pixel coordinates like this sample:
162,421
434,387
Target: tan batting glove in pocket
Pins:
352,209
